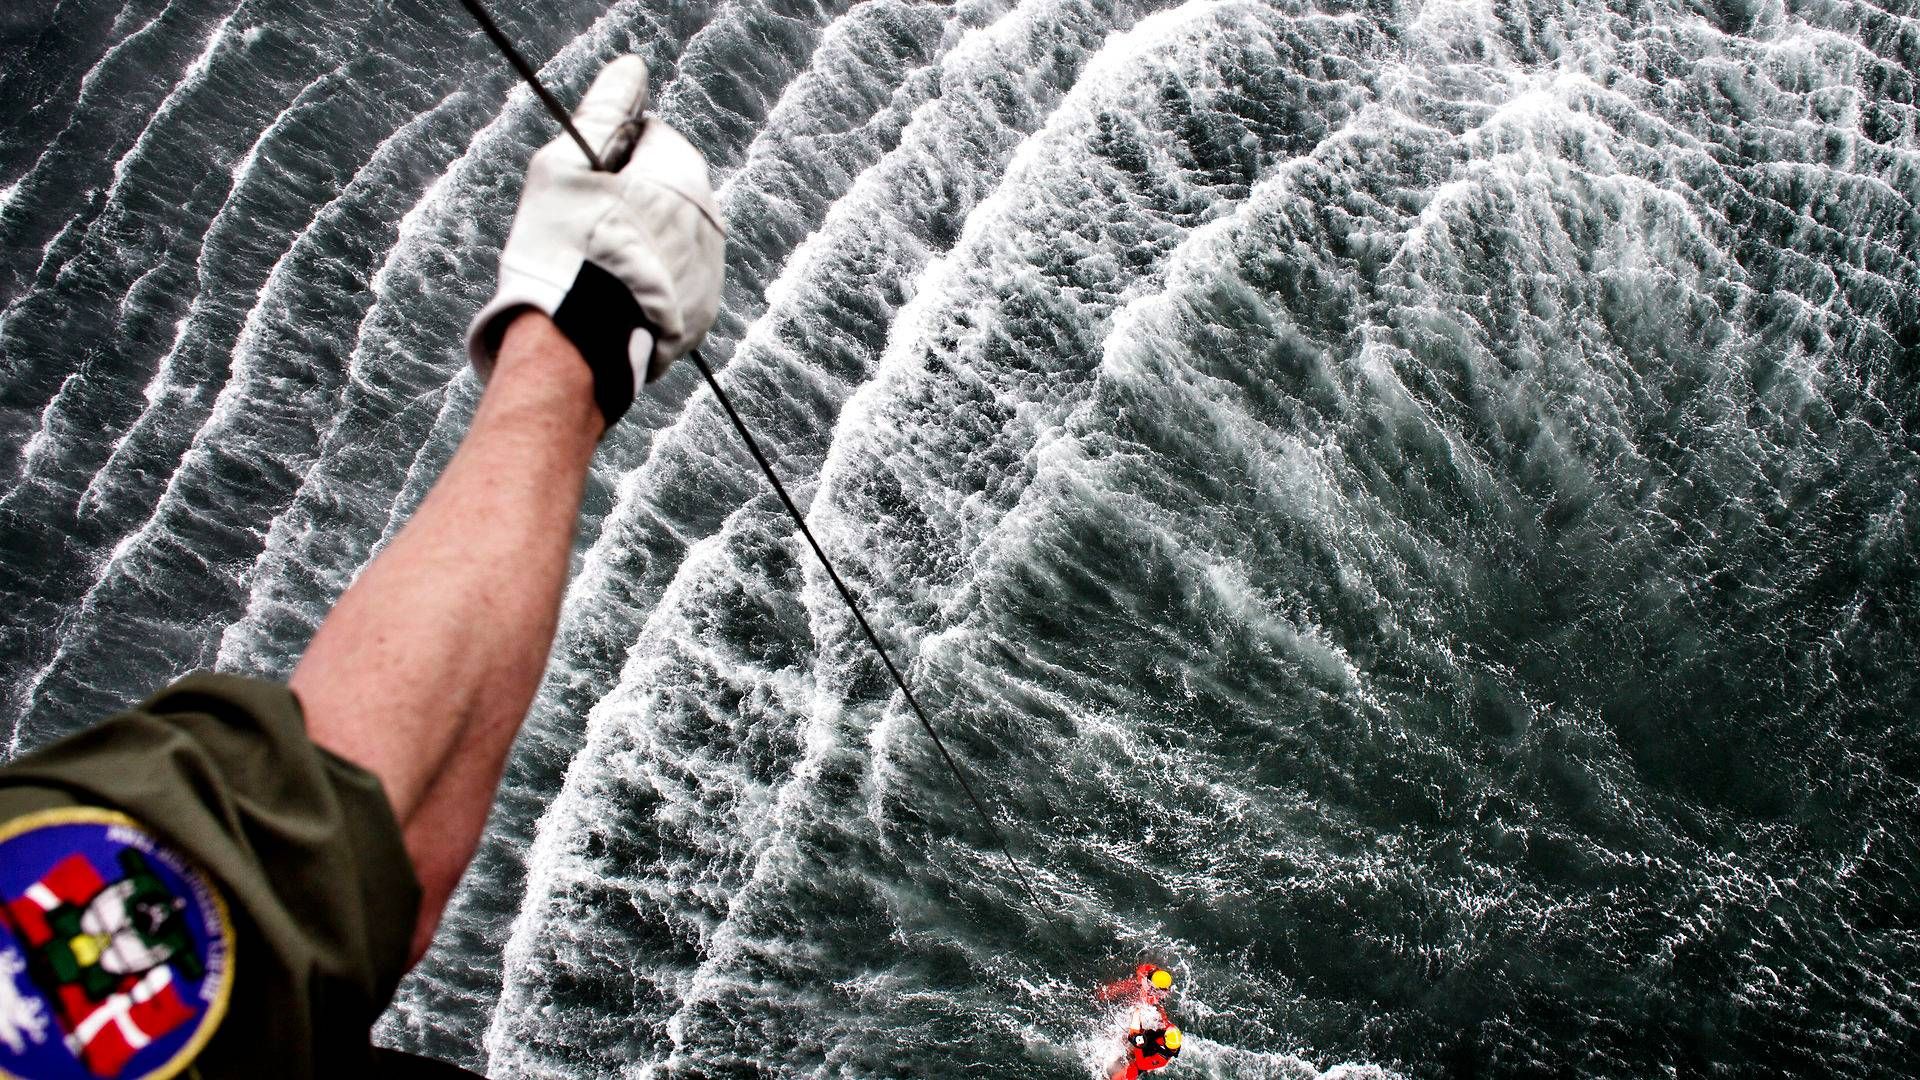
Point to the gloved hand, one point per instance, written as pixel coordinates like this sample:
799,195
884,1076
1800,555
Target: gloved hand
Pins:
627,263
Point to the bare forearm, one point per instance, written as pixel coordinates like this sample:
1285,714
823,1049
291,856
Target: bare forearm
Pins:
424,670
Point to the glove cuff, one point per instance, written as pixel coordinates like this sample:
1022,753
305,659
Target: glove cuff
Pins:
516,291
599,315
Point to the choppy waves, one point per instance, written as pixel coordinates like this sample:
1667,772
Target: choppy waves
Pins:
1407,506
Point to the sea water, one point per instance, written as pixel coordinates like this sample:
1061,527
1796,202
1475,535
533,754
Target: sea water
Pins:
1406,512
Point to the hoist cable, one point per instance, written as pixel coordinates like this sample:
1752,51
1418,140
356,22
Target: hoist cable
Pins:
853,605
559,112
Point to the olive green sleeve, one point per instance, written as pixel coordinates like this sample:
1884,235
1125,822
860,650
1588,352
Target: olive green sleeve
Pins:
303,844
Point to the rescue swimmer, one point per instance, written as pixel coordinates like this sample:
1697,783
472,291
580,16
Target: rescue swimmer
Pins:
1152,1038
230,879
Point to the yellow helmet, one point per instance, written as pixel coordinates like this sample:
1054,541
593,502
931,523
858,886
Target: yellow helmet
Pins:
1173,1038
1161,978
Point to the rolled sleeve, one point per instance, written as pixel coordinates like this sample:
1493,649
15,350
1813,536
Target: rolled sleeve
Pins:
303,844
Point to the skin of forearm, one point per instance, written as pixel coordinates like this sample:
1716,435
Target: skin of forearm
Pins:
424,670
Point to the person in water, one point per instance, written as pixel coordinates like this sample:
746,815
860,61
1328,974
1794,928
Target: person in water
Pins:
1150,983
1152,1043
230,879
1153,1039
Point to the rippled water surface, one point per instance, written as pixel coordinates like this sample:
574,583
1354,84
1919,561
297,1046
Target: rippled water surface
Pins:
1408,510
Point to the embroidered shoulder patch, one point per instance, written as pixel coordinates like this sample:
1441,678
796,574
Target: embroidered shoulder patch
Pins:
116,953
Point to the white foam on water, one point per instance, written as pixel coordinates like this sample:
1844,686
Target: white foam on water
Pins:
157,386
14,309
31,173
229,218
189,81
43,441
106,59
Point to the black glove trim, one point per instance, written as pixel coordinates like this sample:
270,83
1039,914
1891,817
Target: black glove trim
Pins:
599,315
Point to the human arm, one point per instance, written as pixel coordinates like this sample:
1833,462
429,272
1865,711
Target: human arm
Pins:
291,844
424,670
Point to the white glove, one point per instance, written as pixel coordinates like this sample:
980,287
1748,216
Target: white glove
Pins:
627,263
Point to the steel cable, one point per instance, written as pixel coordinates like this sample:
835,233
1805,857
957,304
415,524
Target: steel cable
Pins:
559,112
853,605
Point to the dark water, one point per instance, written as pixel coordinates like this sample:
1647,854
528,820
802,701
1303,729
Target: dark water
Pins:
1409,507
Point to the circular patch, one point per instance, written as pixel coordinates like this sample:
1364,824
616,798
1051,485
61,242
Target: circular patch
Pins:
116,953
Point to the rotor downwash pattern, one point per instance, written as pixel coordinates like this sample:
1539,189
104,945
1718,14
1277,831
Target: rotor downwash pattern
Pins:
1408,505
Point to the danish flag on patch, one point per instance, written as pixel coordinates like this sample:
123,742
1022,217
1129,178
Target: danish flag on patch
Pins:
108,1035
73,880
103,1034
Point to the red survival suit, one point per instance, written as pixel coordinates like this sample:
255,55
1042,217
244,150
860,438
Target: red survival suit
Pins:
1153,1040
1137,987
